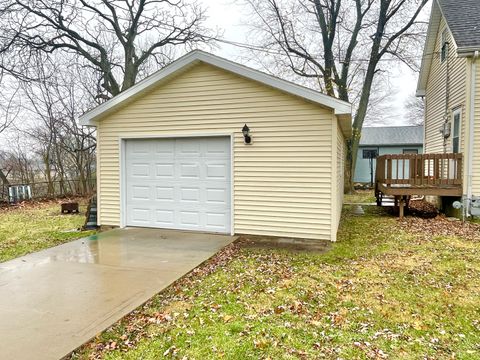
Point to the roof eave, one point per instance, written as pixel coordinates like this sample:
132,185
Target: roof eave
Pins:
433,26
92,117
467,51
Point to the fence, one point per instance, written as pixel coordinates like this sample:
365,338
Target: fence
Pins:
44,189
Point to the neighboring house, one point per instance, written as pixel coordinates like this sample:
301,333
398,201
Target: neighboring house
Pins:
450,83
171,153
377,141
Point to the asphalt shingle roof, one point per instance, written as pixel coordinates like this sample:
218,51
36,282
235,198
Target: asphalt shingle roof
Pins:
463,19
392,135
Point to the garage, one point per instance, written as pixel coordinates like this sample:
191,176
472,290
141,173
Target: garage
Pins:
179,183
209,145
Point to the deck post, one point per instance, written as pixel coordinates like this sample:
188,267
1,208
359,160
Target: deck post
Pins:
402,207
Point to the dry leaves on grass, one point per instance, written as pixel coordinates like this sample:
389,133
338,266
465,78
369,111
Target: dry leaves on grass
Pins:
39,203
440,226
422,208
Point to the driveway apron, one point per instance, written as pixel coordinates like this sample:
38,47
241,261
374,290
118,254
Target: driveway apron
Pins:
55,300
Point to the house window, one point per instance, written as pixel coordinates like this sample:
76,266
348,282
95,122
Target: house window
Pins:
457,118
370,153
410,151
444,49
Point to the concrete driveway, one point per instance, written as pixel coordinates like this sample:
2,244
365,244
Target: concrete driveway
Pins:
55,300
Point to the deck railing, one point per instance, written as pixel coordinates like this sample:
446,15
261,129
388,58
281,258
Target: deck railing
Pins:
422,170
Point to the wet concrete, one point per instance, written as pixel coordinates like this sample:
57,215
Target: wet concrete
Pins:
55,300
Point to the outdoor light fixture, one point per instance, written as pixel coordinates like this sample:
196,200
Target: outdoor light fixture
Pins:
246,134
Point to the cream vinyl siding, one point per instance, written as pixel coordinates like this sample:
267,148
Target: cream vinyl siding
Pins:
282,183
436,94
476,144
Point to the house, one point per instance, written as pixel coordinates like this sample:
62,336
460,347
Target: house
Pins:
209,145
449,81
376,141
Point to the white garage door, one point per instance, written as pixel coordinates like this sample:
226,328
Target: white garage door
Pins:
179,183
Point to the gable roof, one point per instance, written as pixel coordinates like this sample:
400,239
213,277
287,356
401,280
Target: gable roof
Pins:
341,108
392,135
463,21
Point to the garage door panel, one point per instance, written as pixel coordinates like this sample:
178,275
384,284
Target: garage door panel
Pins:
164,148
188,148
190,194
140,215
141,192
165,217
179,183
140,148
216,149
190,218
217,171
216,195
140,170
215,219
189,170
165,193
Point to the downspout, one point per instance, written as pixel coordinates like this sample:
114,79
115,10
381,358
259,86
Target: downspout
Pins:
471,131
447,98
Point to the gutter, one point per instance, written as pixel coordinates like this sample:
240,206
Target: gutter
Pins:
467,51
471,131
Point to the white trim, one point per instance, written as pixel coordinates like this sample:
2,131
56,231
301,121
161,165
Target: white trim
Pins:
122,180
471,131
93,116
455,111
232,184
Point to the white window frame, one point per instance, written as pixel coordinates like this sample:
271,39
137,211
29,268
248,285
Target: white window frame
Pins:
443,43
455,112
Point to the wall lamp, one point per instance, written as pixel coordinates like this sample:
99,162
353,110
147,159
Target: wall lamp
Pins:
246,134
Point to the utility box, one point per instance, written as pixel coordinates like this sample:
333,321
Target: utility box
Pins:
19,193
475,206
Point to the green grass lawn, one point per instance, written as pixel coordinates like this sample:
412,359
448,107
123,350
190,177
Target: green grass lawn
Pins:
361,196
380,291
35,226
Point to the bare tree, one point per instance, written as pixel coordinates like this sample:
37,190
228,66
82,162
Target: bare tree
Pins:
340,44
414,110
66,150
116,38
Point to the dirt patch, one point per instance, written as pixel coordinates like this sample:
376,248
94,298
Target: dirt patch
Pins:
440,226
281,243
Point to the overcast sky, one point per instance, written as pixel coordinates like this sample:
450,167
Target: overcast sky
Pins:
229,16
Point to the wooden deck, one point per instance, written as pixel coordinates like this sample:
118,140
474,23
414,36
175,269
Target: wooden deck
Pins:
405,175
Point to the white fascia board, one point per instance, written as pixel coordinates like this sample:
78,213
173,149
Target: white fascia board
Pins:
91,117
427,57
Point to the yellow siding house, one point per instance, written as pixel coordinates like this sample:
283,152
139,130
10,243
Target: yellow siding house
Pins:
206,144
450,84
